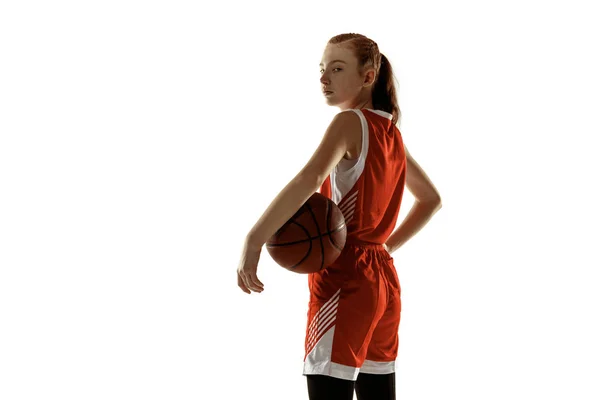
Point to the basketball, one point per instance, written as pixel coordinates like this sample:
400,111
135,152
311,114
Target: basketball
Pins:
312,239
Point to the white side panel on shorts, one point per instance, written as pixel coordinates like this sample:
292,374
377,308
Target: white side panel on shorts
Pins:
376,367
318,361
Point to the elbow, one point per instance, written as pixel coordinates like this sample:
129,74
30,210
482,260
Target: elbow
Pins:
311,181
434,202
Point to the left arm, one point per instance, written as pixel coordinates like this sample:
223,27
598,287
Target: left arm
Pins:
337,140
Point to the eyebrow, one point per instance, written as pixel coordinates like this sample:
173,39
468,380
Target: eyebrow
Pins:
335,61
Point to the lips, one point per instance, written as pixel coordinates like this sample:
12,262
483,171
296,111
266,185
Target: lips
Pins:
327,92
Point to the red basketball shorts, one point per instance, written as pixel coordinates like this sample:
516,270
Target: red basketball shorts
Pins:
353,315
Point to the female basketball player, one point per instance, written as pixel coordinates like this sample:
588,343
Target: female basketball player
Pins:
363,166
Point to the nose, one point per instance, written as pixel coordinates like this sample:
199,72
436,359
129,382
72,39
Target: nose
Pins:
324,79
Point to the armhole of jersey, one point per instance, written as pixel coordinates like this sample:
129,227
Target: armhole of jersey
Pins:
360,161
343,180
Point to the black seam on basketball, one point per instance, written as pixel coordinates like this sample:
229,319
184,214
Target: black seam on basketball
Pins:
329,212
328,218
298,213
337,229
309,246
331,239
292,219
334,243
318,233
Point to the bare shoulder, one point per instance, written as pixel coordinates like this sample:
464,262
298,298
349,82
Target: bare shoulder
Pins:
349,125
348,119
419,183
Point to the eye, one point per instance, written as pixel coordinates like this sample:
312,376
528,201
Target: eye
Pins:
321,71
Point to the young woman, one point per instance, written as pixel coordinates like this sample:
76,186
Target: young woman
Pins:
363,166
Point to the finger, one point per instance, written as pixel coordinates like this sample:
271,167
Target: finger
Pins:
247,280
250,284
256,282
251,281
242,285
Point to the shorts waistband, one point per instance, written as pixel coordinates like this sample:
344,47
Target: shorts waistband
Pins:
361,243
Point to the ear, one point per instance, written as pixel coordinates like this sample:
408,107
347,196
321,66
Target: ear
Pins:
369,77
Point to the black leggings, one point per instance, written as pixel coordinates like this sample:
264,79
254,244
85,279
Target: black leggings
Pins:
368,387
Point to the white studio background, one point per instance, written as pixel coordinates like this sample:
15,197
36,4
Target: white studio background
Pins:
140,141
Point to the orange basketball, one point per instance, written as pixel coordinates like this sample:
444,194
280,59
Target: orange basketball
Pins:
312,239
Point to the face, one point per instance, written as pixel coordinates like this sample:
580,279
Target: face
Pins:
339,74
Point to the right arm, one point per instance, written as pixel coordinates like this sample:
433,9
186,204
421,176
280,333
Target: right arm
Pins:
427,203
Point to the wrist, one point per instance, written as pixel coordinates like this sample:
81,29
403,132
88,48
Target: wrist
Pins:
387,248
252,243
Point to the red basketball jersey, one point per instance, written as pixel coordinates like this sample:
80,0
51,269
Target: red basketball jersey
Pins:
368,190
